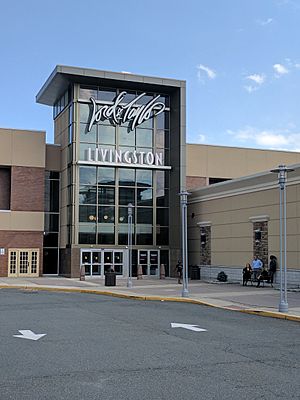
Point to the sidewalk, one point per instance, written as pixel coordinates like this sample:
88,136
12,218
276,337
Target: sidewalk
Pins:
263,300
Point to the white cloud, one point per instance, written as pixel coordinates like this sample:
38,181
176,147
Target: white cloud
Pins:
272,139
257,78
206,71
280,70
265,22
250,88
201,138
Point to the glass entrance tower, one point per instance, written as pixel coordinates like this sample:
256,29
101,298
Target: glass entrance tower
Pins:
122,140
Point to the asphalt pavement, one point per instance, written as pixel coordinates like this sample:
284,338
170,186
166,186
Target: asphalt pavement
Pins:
103,347
231,296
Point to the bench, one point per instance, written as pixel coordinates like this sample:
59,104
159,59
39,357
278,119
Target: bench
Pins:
251,279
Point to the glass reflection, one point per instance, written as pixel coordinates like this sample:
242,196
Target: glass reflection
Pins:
126,177
144,137
87,195
106,94
87,213
126,138
144,215
89,137
106,176
126,196
106,195
144,177
85,112
106,134
106,215
86,92
144,197
87,175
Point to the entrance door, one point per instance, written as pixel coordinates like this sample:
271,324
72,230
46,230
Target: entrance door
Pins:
97,262
149,261
23,262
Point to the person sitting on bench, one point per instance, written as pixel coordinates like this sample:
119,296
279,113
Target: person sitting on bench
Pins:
264,276
247,271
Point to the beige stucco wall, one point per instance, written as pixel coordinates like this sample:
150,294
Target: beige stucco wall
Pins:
22,147
21,221
232,162
229,207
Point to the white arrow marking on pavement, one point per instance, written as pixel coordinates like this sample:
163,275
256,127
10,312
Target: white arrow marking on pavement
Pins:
27,334
187,326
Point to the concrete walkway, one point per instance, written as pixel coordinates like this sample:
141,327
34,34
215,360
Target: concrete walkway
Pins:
263,301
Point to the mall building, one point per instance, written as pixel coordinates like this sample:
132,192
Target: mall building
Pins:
120,146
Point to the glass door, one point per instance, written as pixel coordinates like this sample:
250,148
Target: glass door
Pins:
97,262
149,261
23,262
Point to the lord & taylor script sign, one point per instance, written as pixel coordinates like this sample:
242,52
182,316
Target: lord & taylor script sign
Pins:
119,112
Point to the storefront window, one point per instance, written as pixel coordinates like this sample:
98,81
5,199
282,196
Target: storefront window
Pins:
126,196
88,137
105,192
106,134
106,234
106,176
144,215
87,175
144,197
87,195
106,195
144,177
106,214
126,137
126,177
144,137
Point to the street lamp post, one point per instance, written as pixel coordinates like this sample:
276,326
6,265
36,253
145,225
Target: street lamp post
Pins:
129,242
183,201
282,172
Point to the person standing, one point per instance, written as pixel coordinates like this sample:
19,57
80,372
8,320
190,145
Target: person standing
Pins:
179,268
272,267
257,267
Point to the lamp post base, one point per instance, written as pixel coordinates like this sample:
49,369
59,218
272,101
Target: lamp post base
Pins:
283,307
129,284
185,293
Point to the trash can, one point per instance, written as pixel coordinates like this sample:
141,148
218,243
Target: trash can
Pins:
110,278
195,272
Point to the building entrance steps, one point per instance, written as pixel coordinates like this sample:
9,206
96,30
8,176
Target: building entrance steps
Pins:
263,301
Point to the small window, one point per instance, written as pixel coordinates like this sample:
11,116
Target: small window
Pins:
5,188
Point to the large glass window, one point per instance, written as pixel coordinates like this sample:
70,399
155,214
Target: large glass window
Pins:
106,176
105,192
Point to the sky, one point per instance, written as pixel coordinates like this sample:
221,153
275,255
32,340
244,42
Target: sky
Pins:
240,60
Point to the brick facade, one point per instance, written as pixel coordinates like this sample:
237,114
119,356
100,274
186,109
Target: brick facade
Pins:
19,240
27,188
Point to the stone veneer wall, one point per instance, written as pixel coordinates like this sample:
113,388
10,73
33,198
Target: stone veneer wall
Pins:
205,245
260,247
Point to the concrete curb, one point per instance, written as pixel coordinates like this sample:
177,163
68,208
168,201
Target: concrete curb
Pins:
262,313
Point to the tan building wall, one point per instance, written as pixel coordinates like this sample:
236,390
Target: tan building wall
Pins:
232,208
22,224
207,161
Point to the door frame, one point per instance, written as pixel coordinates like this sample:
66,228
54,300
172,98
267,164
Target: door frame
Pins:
30,252
148,262
102,261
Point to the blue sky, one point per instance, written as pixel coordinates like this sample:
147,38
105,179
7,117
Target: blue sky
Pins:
240,58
